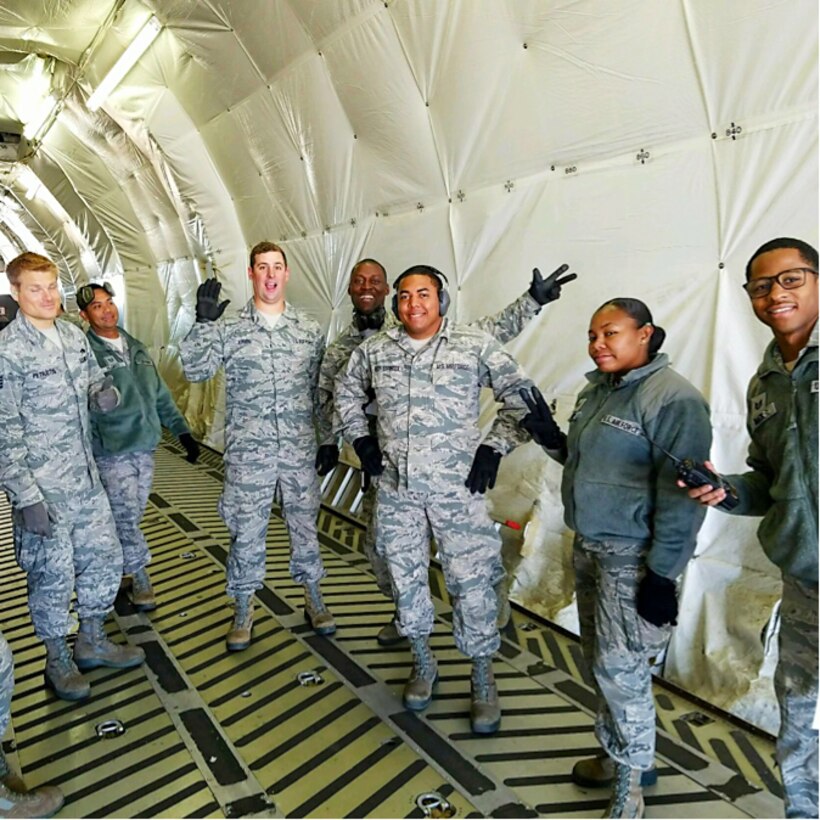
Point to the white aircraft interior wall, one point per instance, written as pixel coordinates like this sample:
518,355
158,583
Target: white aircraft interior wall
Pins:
652,146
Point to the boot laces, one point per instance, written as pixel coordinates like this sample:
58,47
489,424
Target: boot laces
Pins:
242,608
620,793
423,661
61,660
140,582
481,678
314,596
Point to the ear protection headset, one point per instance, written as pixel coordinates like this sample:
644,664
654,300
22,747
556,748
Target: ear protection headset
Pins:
425,270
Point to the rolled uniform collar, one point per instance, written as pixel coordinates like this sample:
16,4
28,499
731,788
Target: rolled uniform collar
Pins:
658,362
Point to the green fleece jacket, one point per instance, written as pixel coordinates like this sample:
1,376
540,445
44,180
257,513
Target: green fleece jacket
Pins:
146,404
782,484
618,486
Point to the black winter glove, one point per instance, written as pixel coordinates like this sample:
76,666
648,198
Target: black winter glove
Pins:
370,454
657,600
539,422
191,447
327,457
208,306
549,289
36,520
484,469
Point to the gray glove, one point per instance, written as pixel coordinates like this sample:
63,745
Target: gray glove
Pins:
36,520
108,397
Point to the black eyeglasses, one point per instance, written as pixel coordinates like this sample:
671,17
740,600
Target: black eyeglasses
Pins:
787,279
85,295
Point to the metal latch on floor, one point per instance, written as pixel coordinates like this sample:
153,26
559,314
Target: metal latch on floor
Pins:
310,678
435,805
109,729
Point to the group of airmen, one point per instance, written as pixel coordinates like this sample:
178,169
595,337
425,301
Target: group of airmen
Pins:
82,413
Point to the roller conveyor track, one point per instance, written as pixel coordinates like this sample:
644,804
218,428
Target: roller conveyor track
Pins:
209,733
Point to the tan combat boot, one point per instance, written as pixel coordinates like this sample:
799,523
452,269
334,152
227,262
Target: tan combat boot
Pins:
240,634
62,675
599,772
418,691
42,802
93,649
389,634
627,797
316,613
485,711
141,592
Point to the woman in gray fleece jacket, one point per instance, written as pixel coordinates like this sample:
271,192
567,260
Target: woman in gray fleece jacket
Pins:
635,529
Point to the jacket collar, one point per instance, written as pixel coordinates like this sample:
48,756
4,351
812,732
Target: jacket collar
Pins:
658,362
249,311
399,335
773,358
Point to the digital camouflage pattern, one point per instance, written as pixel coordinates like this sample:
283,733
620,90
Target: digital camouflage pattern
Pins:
127,480
270,438
6,689
618,646
45,394
505,325
428,407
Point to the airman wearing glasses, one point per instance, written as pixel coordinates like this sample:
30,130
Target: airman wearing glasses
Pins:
781,486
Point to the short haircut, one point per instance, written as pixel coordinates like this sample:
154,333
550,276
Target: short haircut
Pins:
806,251
25,262
429,271
368,261
266,247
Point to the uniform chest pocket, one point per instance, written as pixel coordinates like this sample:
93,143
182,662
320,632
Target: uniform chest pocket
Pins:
454,378
142,359
44,383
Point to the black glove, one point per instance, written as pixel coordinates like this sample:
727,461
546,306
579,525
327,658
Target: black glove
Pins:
539,422
549,289
36,520
208,306
370,454
191,447
327,458
484,469
657,600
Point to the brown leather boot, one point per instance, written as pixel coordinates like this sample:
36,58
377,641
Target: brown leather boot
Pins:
240,634
42,802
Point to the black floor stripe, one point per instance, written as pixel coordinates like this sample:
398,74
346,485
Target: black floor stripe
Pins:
758,764
215,751
203,811
321,693
372,803
111,809
723,754
343,780
159,809
686,734
337,747
557,659
458,768
258,703
122,774
544,731
218,639
321,724
78,748
240,661
341,663
524,711
268,674
679,754
541,754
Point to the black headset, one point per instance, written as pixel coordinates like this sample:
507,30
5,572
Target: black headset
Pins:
424,270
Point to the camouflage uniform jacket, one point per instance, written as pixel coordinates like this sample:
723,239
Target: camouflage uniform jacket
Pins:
782,484
619,488
270,378
505,325
44,401
428,402
146,404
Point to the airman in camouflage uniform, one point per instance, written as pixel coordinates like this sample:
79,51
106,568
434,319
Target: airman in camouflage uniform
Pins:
271,354
64,532
427,376
124,440
781,486
368,288
42,802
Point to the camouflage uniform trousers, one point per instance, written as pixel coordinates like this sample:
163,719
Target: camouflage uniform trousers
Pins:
82,555
375,553
245,506
469,550
795,684
127,480
618,645
6,689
